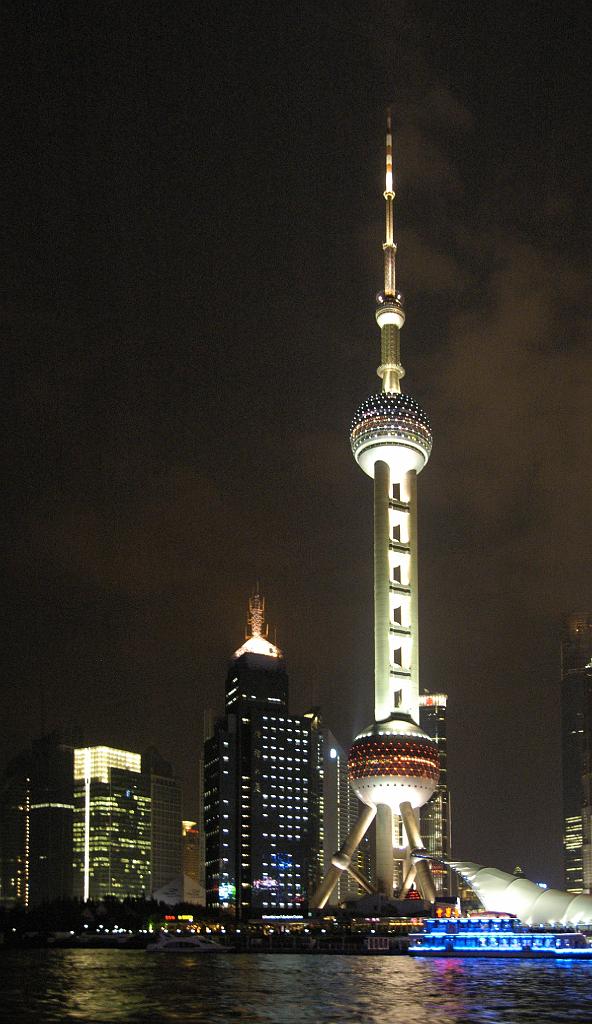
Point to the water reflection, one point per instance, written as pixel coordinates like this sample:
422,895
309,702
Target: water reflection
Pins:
129,987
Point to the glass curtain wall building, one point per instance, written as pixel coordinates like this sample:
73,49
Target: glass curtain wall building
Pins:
112,824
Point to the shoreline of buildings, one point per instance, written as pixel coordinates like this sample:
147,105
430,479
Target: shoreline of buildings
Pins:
97,821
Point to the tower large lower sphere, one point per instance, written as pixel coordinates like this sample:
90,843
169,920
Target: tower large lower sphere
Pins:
394,762
393,766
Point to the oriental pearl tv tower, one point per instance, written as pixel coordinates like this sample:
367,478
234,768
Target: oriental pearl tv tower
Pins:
393,765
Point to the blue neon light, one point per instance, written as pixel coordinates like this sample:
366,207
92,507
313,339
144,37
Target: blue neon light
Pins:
506,935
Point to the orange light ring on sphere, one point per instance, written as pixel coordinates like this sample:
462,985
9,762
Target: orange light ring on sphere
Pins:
393,756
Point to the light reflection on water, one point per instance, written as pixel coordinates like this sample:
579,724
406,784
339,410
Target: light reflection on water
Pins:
129,987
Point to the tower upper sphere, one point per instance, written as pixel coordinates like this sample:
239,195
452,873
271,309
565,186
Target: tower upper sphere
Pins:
391,426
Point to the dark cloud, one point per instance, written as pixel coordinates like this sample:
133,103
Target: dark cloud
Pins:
512,494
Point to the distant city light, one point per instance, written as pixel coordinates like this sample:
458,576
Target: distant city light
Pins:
226,891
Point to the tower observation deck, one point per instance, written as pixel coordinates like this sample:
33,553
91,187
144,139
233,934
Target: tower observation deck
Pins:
393,765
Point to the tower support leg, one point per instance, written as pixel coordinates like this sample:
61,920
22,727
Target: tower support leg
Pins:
359,877
408,880
425,880
322,894
342,859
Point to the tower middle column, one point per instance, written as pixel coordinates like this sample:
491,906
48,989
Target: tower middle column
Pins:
412,701
382,684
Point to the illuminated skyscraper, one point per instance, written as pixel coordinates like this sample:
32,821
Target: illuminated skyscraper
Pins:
576,735
112,827
393,765
435,816
257,765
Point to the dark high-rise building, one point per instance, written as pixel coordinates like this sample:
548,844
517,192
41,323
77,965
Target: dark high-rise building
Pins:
435,816
112,830
166,854
260,846
207,732
36,810
576,742
15,832
52,813
316,800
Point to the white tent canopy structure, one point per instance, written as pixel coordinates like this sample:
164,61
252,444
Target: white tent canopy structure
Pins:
502,892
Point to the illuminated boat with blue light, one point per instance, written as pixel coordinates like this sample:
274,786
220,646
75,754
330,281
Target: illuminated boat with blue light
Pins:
497,935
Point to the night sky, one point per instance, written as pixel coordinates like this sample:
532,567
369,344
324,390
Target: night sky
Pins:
195,220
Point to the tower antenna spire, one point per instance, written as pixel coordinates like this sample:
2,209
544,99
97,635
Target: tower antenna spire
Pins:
390,315
390,249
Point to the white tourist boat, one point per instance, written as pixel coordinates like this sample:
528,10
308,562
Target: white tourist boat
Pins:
190,943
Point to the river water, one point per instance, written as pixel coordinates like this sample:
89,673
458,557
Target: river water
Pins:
132,986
